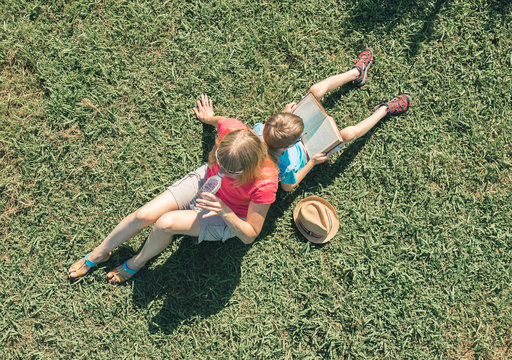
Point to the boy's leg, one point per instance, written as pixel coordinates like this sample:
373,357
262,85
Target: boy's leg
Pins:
357,75
333,82
396,106
185,222
130,226
356,131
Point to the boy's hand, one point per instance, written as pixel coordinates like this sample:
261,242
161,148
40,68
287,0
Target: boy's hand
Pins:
319,158
204,110
289,108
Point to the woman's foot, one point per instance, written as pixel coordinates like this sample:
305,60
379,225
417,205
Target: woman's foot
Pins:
363,64
396,106
120,274
83,266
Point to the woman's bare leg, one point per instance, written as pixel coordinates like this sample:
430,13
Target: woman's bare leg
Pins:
131,225
185,222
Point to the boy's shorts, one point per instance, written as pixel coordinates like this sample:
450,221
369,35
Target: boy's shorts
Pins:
212,228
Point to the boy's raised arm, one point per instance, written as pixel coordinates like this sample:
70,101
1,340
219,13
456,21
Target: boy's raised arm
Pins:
204,111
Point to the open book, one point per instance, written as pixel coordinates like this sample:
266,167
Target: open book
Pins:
321,134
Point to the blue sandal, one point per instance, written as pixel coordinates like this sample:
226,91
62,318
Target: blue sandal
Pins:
80,269
116,277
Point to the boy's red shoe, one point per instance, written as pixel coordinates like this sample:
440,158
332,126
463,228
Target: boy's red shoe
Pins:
363,64
396,106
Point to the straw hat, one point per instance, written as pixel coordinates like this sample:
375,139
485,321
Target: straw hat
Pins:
316,219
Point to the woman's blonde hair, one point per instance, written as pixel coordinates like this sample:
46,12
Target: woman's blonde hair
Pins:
242,150
281,130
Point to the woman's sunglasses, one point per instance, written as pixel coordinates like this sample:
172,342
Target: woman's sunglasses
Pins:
226,170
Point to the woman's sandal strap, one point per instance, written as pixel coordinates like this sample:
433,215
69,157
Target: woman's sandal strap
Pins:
92,263
127,269
89,262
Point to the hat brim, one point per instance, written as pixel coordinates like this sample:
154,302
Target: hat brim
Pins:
334,218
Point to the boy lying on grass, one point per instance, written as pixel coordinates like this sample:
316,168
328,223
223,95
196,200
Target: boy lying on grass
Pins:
282,131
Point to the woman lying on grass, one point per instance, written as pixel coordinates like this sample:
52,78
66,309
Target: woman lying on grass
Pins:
238,209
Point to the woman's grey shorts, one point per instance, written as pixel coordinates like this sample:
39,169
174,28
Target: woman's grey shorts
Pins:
212,228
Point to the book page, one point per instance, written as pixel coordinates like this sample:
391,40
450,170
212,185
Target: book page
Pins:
320,130
321,138
309,111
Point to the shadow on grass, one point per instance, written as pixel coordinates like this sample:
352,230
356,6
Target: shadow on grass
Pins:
330,99
383,16
196,282
319,178
207,140
425,34
500,13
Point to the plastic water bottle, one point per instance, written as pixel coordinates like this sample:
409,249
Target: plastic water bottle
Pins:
212,185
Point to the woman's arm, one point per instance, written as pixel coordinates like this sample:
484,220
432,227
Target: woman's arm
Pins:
246,230
301,174
204,111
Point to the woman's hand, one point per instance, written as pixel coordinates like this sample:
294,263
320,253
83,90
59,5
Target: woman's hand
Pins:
289,108
319,158
212,203
204,110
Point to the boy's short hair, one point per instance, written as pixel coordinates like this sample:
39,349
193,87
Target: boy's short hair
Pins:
282,130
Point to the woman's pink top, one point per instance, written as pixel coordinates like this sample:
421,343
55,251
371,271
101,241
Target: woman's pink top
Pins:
258,191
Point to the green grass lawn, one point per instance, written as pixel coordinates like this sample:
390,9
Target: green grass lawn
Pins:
96,119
